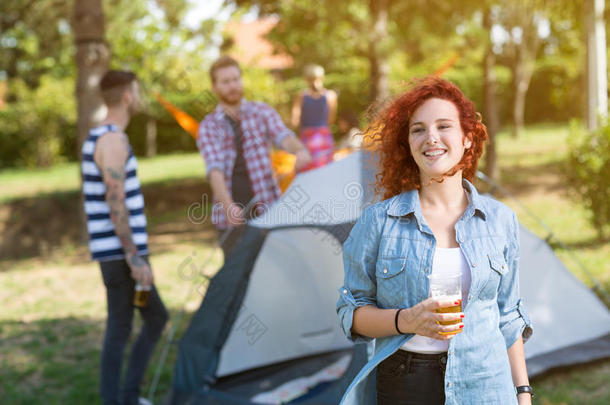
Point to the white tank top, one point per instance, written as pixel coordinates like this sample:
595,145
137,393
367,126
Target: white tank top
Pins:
446,261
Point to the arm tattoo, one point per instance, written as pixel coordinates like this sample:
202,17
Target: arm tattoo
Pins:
137,261
119,214
116,173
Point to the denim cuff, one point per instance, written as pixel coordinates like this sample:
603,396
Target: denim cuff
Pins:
517,324
345,309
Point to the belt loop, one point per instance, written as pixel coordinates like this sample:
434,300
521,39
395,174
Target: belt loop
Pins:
408,363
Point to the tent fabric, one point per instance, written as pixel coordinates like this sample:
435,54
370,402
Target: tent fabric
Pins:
330,195
223,336
237,390
199,348
298,387
567,316
269,313
585,352
292,266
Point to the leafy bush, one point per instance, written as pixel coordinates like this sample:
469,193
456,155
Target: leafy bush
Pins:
588,171
37,129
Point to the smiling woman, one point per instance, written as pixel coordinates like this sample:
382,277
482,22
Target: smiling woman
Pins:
432,272
399,169
436,139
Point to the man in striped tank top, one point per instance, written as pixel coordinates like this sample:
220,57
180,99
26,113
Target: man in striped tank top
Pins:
118,240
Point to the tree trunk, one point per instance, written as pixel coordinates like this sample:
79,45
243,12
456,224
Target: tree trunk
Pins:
520,91
151,136
524,52
91,58
490,109
523,69
378,54
597,83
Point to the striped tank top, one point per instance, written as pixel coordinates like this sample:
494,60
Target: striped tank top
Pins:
103,242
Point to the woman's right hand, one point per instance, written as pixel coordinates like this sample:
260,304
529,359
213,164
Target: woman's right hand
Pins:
422,319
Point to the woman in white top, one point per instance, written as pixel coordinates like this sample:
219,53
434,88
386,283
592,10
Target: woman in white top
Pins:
434,223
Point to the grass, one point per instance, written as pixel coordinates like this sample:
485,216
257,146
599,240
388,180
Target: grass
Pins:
19,183
53,306
52,323
532,171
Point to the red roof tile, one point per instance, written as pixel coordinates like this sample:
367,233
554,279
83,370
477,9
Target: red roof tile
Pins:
251,46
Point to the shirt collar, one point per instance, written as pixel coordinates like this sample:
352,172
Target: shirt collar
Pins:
408,203
219,113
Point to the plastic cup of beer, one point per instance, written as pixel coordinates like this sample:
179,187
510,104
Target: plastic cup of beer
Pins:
141,294
447,287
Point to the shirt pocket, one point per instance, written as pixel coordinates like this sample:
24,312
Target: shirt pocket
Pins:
390,274
496,269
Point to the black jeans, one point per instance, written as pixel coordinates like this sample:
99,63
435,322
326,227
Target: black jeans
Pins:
119,294
407,378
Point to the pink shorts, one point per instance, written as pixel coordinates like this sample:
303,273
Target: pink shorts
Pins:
319,141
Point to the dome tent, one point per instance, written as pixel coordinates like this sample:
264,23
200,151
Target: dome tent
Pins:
268,317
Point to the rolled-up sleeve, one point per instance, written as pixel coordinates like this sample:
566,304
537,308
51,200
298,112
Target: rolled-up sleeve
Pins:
514,320
277,131
209,146
359,256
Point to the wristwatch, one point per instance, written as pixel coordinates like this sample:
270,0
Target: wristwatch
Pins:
525,389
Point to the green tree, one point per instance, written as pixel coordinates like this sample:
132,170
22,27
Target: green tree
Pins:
368,48
35,58
588,173
38,47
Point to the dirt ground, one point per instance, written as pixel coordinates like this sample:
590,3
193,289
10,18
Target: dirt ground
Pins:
42,226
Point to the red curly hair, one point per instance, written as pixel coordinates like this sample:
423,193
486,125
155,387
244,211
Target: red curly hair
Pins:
389,134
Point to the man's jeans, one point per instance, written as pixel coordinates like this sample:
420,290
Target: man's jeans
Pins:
119,294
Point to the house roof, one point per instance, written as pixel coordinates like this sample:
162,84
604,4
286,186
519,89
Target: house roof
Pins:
252,48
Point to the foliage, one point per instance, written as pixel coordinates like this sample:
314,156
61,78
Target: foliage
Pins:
150,37
37,123
37,129
588,171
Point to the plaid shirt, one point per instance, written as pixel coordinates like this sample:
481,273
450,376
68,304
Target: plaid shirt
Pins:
261,125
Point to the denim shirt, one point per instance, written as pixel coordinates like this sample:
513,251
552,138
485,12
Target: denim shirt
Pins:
387,257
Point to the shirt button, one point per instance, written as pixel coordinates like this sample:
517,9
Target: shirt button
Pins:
449,384
345,292
385,271
474,265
